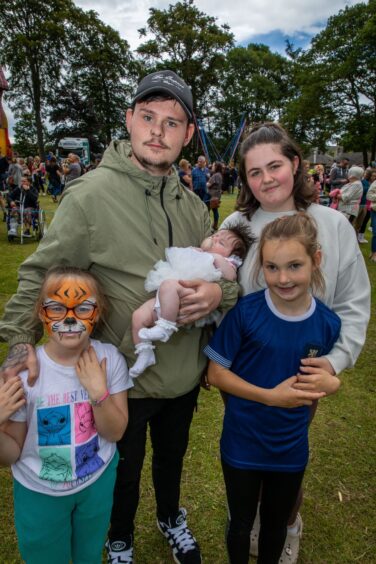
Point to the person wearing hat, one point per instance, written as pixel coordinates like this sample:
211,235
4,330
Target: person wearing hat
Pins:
349,196
116,222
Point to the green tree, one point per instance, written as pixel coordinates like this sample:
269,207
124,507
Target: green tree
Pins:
336,80
25,136
189,42
309,113
95,89
32,41
254,81
74,116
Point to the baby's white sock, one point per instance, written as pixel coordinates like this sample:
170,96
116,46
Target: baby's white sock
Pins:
145,357
161,331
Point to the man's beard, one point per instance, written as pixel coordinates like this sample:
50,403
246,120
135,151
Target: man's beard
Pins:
150,164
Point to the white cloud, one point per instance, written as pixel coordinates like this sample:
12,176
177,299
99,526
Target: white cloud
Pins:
246,18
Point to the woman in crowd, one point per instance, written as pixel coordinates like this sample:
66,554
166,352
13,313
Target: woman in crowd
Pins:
372,199
215,184
185,174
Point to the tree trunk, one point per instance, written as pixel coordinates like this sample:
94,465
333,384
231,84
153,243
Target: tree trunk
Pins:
35,81
365,156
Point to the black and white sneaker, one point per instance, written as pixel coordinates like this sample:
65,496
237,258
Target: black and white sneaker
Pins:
185,548
120,551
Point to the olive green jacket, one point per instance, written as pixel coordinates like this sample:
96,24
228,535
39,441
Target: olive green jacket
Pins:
116,221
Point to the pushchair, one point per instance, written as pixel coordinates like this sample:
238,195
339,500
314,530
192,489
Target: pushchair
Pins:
25,222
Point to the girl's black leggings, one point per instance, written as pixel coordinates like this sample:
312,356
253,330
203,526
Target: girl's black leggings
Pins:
279,492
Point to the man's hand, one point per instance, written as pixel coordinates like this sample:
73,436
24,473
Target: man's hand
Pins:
11,397
317,375
91,374
21,357
205,298
286,395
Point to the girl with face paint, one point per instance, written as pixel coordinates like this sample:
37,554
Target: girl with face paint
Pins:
62,443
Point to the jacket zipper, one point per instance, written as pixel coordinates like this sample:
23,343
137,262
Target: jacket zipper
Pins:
169,224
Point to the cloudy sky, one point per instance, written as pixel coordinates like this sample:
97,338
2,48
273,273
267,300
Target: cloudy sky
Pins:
259,21
267,21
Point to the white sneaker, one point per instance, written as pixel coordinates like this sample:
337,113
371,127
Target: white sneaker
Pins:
290,551
361,238
185,549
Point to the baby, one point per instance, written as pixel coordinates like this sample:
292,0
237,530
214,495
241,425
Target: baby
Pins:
219,256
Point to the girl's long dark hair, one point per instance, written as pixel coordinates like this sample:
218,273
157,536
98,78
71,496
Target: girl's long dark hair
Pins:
272,133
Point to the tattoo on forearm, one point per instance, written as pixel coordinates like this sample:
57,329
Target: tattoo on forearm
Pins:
17,355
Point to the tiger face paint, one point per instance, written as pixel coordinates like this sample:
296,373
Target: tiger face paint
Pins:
69,309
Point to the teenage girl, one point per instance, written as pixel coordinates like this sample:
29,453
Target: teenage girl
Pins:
65,468
255,359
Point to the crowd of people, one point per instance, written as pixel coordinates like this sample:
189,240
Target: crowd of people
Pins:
339,185
27,179
281,347
209,181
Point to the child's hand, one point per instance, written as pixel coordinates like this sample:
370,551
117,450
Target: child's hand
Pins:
12,397
286,394
91,374
317,375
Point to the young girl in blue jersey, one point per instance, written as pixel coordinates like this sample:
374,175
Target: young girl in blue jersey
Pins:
62,443
255,359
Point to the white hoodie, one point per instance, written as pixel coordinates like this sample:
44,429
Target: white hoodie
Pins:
347,283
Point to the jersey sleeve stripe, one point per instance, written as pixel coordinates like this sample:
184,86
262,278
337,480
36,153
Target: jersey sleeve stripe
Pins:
213,355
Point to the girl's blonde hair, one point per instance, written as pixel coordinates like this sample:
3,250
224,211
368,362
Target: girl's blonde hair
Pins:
183,163
299,227
54,277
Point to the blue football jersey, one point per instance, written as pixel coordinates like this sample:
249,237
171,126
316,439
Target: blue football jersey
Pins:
264,347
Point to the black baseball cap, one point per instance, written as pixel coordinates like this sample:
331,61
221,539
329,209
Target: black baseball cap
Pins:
167,82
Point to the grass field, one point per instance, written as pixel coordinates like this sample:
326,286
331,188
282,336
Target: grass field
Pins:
339,509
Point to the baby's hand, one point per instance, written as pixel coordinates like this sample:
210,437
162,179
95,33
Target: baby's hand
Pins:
91,374
12,397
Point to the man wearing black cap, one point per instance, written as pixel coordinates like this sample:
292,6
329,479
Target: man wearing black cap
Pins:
116,221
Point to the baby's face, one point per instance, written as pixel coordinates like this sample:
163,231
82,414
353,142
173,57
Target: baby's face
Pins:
222,243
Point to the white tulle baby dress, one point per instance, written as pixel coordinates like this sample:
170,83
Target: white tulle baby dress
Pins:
185,263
